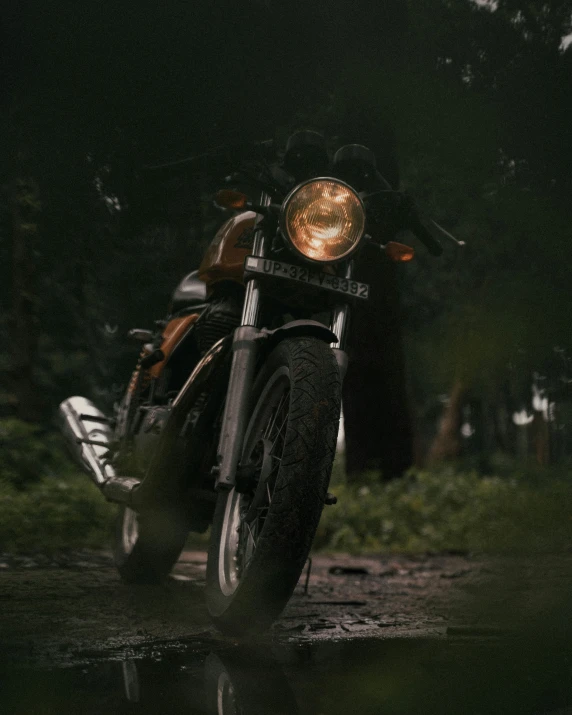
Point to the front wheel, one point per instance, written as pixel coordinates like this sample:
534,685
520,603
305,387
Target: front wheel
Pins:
263,528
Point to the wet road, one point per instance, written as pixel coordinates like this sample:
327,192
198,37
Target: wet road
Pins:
430,634
57,609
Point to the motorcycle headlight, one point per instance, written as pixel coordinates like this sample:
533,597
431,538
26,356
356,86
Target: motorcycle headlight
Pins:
324,219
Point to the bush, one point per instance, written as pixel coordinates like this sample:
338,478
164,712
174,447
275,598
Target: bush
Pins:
28,452
45,503
64,512
448,510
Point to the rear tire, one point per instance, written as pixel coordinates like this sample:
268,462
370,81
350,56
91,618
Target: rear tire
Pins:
147,545
261,537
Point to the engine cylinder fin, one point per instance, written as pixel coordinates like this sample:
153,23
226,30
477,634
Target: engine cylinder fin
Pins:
218,320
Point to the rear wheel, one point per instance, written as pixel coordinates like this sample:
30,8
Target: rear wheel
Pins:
263,528
147,545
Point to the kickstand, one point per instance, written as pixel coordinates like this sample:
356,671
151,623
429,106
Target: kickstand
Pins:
308,572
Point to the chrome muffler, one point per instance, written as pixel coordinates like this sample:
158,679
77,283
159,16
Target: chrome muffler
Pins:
88,436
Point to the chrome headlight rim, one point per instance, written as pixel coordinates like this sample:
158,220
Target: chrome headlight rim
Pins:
286,235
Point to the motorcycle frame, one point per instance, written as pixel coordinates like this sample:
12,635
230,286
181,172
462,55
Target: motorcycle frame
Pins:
245,346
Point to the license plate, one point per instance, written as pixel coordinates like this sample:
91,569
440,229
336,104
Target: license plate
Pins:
302,274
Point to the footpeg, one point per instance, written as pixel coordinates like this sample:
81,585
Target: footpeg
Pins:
143,336
120,489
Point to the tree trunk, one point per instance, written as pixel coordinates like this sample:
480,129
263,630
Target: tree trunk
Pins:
541,439
377,420
447,442
25,208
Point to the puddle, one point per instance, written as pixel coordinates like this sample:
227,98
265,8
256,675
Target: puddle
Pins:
493,673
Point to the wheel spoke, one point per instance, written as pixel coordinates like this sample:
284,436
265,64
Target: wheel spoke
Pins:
250,546
279,434
277,411
249,530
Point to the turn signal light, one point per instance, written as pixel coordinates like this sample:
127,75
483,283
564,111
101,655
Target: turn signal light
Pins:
230,199
399,252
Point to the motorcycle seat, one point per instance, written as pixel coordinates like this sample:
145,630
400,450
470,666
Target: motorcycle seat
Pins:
190,293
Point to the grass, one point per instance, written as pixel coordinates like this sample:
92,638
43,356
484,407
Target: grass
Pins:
448,509
65,512
45,504
427,511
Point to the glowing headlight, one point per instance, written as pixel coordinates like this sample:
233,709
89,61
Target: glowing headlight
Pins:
324,219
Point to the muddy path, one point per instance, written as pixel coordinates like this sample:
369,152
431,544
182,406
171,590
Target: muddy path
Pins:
58,610
67,609
386,634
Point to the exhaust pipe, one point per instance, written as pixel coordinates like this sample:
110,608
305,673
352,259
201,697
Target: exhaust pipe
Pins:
88,436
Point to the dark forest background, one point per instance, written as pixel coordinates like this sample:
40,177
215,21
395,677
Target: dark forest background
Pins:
475,99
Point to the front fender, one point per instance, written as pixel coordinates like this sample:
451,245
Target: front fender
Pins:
303,328
299,329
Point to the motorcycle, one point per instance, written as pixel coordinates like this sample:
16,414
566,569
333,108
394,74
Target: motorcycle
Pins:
231,416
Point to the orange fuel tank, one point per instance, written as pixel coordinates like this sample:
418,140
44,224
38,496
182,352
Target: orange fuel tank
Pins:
224,258
174,332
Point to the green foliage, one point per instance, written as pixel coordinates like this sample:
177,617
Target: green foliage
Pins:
57,512
427,511
44,503
435,511
28,452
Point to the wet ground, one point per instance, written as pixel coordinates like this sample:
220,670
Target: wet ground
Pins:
393,634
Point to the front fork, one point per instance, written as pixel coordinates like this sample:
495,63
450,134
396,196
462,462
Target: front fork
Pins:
340,325
245,349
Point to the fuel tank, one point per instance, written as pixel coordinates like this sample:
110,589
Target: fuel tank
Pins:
224,258
173,335
175,330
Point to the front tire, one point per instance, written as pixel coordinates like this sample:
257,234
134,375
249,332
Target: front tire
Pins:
261,536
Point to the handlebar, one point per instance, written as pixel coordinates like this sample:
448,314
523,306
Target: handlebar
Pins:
418,229
399,208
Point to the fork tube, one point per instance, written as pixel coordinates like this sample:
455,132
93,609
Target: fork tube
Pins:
251,308
244,349
340,323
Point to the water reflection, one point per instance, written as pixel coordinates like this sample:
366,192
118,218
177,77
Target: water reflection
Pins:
236,681
247,681
458,674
